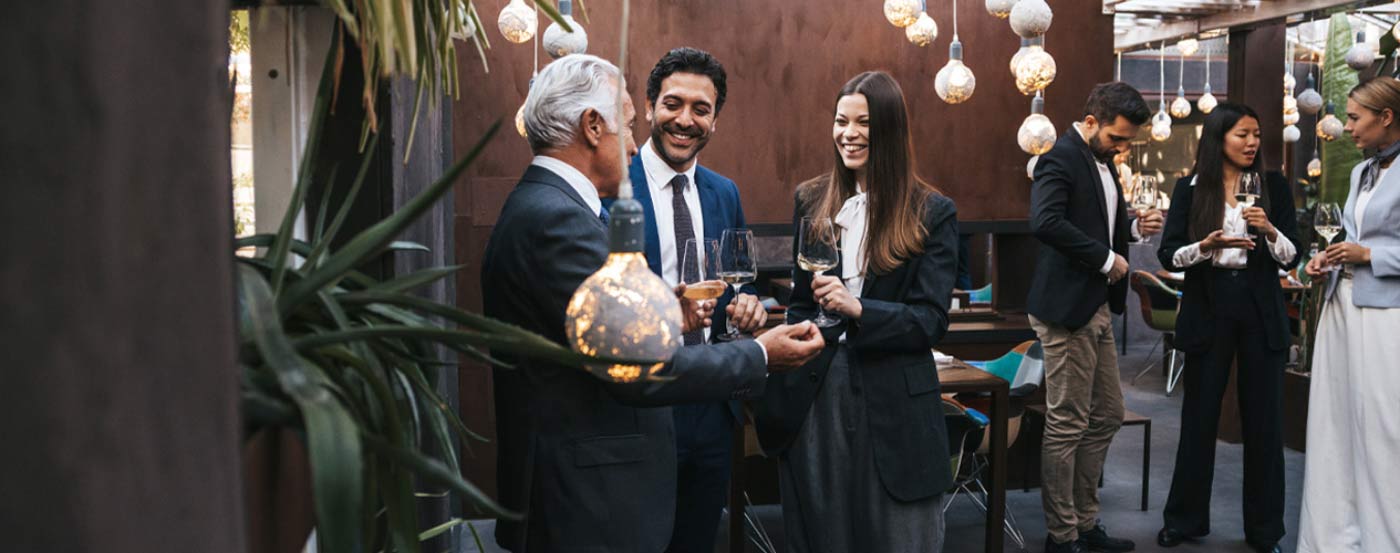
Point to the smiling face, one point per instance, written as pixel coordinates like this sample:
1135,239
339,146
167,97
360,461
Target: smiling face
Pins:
1368,128
682,118
1242,143
851,132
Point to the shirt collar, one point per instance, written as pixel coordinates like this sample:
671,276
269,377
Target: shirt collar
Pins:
659,174
575,178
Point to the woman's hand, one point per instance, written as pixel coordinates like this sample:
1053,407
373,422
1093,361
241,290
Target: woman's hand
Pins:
1317,267
1257,218
1348,253
831,294
1218,240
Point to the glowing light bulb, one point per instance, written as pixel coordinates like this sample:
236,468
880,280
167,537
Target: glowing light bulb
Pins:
1188,46
1037,134
520,121
1290,118
1291,134
1031,18
1207,102
1161,133
1000,9
1181,107
517,22
955,81
1315,168
902,13
1016,58
1288,83
1035,70
922,31
558,42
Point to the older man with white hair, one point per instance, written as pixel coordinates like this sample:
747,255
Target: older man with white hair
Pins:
591,464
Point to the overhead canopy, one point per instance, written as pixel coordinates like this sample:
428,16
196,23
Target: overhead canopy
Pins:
1138,23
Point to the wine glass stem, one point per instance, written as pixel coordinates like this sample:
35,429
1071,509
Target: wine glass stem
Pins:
729,328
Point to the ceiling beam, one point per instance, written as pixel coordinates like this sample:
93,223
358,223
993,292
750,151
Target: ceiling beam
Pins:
1264,12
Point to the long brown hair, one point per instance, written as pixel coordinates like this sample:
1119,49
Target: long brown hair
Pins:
1208,198
895,195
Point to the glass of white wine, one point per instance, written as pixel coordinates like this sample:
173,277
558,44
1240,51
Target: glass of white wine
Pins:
817,253
1247,193
1327,222
737,267
1144,199
700,269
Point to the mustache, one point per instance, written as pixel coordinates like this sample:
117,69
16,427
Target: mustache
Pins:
693,132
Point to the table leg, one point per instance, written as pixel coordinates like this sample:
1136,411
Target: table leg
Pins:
996,503
736,490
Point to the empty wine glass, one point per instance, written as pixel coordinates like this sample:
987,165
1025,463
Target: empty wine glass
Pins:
737,267
817,253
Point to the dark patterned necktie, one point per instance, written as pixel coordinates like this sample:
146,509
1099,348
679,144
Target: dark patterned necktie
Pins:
603,216
1373,170
685,230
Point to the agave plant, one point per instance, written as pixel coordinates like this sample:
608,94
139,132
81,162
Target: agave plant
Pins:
347,360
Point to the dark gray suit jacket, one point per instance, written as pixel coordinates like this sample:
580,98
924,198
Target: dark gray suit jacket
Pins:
592,464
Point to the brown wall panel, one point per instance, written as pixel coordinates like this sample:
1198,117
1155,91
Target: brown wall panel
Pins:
785,62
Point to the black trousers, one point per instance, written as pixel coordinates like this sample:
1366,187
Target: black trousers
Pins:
1239,335
704,440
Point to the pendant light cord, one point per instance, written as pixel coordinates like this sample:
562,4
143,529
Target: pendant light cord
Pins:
1118,70
625,189
1162,72
955,20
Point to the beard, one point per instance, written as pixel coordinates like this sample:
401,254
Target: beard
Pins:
658,138
1104,155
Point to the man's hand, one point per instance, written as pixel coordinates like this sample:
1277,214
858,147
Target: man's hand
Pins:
1120,268
695,315
791,346
832,295
1217,240
1348,253
747,313
1149,222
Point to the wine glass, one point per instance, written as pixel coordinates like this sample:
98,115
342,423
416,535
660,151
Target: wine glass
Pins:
1247,193
737,267
1144,198
816,253
1327,222
700,269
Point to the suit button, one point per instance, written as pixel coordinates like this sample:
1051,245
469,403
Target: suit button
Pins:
812,376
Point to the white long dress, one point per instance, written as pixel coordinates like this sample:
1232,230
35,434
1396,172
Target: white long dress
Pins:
1351,490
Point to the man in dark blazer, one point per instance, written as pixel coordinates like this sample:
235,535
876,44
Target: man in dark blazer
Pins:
684,200
1078,214
590,464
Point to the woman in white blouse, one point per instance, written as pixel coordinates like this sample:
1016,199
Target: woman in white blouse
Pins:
1351,499
858,432
1232,309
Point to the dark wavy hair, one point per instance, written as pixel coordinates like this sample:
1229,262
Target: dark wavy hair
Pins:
1109,100
1208,198
688,60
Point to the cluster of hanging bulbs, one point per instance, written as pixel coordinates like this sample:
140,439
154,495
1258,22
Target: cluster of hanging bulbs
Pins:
1161,121
518,22
1291,133
1033,68
955,81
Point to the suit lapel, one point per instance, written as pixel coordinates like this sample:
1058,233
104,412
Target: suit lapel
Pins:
546,177
641,190
1093,168
710,209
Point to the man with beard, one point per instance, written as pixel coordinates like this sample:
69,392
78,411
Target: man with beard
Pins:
1078,214
683,201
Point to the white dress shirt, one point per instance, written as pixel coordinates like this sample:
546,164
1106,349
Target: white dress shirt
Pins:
1234,224
659,176
575,178
851,219
1110,201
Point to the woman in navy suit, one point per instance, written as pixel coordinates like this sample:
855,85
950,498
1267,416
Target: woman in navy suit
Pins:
1351,501
1232,313
858,432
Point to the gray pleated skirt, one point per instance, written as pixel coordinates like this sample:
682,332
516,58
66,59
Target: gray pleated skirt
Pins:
833,500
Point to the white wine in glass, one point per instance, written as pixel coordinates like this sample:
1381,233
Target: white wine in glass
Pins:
817,253
1247,193
1144,199
737,267
1328,222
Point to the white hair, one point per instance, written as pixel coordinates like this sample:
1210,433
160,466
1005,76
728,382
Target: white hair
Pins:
562,92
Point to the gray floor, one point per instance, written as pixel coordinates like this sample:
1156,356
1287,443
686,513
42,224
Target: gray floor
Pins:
1122,481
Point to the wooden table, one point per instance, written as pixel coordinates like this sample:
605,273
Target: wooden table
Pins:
958,377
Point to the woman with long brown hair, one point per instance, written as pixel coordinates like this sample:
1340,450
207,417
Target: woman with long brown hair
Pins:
1230,239
858,432
1350,498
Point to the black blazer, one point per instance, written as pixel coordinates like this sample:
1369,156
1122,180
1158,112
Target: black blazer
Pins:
1068,217
1195,322
904,315
591,466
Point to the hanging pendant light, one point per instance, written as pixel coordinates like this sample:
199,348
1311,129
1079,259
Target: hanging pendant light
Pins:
1291,117
1016,58
1207,102
1037,134
1181,107
624,310
955,81
1330,128
558,42
1161,121
1188,47
1360,55
1031,18
1291,133
1035,70
1288,81
517,22
902,13
1309,101
520,121
1315,166
1000,9
923,31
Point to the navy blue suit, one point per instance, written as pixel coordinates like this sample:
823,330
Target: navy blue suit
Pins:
704,431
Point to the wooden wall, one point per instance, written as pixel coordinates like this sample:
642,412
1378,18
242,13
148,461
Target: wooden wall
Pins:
785,61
